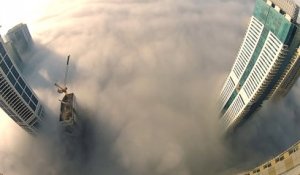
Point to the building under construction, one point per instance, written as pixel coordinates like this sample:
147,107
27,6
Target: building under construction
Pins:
68,117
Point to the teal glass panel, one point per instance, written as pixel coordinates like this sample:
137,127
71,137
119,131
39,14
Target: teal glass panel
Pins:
229,101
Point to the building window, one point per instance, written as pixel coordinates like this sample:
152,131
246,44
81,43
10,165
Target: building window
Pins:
279,158
256,171
291,151
7,61
33,107
273,5
282,12
25,97
11,79
4,68
28,91
34,99
2,50
18,88
15,72
22,83
267,165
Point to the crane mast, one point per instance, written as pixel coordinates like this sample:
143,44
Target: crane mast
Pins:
63,89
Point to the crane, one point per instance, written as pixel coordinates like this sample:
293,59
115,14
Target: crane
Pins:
63,89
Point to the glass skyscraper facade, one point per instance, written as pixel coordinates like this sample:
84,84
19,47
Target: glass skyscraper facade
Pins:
267,64
16,97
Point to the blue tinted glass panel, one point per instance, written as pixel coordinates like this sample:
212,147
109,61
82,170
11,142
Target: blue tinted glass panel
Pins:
7,61
18,87
2,50
28,91
32,106
11,78
34,99
22,83
25,97
15,72
4,68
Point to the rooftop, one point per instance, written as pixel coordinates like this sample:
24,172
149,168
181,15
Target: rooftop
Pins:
15,28
288,6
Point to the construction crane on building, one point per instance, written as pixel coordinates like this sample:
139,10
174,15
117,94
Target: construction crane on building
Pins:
68,117
63,89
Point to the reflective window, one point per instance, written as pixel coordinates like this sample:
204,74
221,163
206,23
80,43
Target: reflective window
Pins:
11,78
28,91
2,50
25,97
8,61
15,72
4,68
32,106
18,88
22,83
34,99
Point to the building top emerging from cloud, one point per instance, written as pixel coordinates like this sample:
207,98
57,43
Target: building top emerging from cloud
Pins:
17,98
267,64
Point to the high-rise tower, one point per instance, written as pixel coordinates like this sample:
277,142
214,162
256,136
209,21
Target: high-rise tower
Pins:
20,37
16,97
267,64
19,42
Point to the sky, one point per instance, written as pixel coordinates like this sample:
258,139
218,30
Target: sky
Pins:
146,75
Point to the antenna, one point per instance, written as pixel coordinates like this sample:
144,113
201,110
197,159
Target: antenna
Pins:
64,88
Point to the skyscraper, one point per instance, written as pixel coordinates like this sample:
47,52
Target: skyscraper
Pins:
19,41
267,64
20,37
16,97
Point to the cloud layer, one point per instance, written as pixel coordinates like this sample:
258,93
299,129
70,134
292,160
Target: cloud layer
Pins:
147,75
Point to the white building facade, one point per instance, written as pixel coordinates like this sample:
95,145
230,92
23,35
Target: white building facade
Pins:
266,61
16,97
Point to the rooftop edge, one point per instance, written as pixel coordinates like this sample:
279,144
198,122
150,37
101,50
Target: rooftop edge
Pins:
288,6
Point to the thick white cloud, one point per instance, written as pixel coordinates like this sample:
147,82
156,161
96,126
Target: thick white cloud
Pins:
146,73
